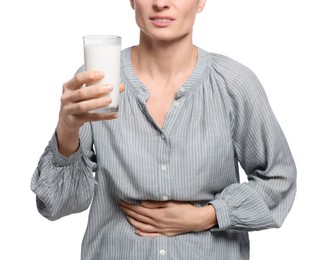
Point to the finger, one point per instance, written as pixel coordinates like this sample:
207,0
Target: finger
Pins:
138,213
84,77
87,93
154,204
138,209
143,229
122,87
154,232
86,106
129,205
92,117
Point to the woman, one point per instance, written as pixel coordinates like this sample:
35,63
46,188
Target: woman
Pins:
166,180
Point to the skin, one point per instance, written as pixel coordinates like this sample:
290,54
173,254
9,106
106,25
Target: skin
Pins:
157,218
76,101
165,56
163,60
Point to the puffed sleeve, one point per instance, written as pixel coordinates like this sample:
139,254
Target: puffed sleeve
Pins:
65,185
263,152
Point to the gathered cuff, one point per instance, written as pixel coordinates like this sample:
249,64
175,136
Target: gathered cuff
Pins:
60,159
222,215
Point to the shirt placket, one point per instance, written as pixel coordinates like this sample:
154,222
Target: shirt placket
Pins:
162,249
164,177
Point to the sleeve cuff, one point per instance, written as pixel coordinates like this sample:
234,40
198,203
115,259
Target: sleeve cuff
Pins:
222,215
62,160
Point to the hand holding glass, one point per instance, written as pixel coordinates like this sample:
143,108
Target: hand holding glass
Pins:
103,53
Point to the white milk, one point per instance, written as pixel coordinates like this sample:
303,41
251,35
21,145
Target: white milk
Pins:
106,58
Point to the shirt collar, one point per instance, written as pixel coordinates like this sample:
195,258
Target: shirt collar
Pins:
190,85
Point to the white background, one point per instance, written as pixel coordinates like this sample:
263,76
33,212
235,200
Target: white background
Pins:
284,42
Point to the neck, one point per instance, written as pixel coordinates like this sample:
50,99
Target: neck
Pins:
164,59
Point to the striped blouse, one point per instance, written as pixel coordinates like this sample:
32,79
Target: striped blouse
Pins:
220,118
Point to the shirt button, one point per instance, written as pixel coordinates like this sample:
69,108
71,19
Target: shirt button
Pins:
165,198
162,252
176,103
163,168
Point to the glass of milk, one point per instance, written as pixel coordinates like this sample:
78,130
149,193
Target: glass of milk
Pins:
103,53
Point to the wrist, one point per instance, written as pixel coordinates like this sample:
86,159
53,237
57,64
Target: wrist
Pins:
207,217
67,139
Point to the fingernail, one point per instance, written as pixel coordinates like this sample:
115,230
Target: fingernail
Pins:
108,87
99,74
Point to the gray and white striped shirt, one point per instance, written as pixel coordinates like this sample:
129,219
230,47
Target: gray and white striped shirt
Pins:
220,117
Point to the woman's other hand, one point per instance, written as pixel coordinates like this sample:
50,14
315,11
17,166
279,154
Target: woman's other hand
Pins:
153,218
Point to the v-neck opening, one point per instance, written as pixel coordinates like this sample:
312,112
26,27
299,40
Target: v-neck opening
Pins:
142,93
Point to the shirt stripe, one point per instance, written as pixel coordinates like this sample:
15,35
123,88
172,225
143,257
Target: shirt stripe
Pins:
220,118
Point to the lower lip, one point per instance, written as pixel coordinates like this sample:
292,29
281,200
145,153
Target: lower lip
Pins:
159,23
